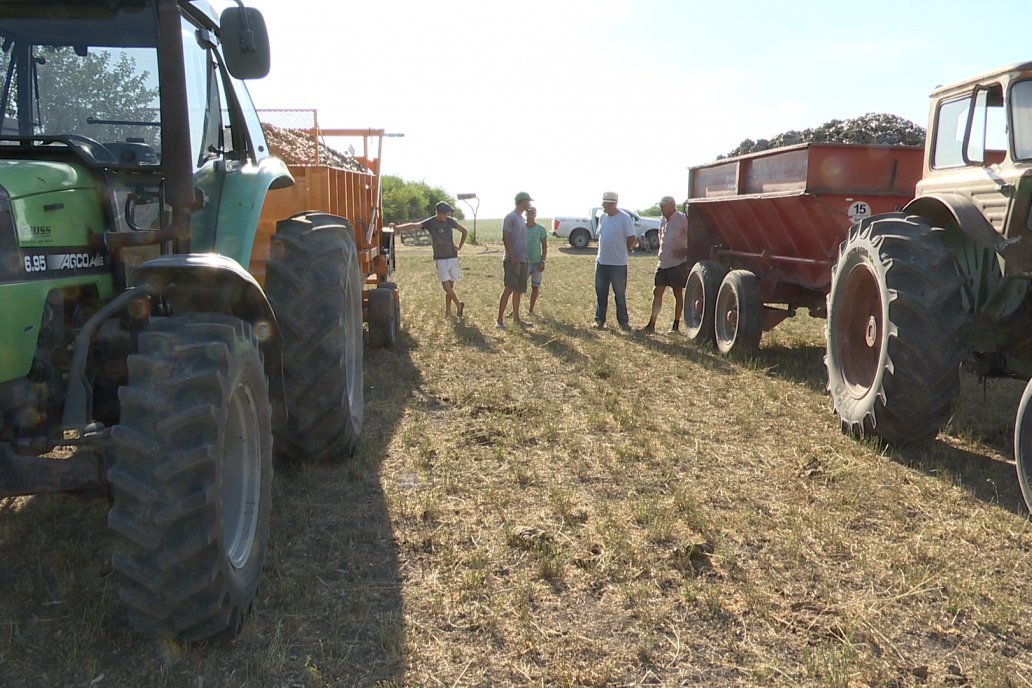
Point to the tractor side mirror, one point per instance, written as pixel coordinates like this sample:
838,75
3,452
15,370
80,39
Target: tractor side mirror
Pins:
143,210
245,42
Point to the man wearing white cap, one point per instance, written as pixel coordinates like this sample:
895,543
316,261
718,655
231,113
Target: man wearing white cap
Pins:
615,240
672,270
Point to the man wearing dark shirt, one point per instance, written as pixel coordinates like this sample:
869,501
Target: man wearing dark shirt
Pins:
446,251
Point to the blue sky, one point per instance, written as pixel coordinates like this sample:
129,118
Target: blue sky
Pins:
569,98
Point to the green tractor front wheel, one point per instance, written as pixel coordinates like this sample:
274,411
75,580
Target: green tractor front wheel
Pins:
190,470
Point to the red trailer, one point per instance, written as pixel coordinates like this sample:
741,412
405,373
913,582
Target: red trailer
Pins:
765,229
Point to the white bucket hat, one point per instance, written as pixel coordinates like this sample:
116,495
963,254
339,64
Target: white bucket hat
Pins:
610,197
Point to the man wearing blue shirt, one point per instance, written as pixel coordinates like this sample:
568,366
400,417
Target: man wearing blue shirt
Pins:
615,240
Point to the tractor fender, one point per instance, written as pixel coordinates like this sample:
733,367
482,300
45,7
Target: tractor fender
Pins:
947,209
208,282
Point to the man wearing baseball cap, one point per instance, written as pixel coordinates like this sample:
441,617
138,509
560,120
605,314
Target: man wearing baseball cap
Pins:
515,267
616,238
446,252
672,269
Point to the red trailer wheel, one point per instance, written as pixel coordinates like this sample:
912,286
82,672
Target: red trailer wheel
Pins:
738,314
893,336
700,297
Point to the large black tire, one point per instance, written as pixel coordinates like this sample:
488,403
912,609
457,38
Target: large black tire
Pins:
314,286
700,298
579,238
397,306
893,347
384,314
1023,445
190,470
738,315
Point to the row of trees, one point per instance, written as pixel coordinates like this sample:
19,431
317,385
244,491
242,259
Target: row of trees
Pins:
405,201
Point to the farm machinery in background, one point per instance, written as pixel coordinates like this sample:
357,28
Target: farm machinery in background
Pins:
911,293
136,188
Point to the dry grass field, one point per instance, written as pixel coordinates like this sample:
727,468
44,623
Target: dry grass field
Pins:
560,506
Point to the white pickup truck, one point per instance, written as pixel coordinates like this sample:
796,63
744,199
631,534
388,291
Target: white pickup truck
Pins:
582,230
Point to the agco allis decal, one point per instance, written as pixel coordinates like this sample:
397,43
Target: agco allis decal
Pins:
41,262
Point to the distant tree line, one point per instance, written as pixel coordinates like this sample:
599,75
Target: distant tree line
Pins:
405,201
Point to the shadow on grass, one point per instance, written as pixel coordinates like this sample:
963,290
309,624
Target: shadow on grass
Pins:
976,422
671,345
988,479
679,347
337,563
983,421
558,345
329,605
469,333
571,251
802,365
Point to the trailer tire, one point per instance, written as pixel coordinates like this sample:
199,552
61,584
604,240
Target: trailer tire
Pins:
579,238
383,318
393,289
738,314
893,346
190,471
392,286
315,289
700,298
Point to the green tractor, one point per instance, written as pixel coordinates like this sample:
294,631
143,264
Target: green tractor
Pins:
945,282
133,170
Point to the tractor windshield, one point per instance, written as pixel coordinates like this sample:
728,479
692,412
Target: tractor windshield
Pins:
83,74
1021,116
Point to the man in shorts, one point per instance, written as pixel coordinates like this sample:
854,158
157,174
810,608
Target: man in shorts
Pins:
537,251
514,260
672,270
446,252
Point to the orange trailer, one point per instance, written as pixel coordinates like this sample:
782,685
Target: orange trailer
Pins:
323,183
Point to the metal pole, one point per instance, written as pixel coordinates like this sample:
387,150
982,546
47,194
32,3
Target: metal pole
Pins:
466,198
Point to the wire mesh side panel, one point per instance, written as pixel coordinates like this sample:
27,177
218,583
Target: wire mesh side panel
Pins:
292,135
296,138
